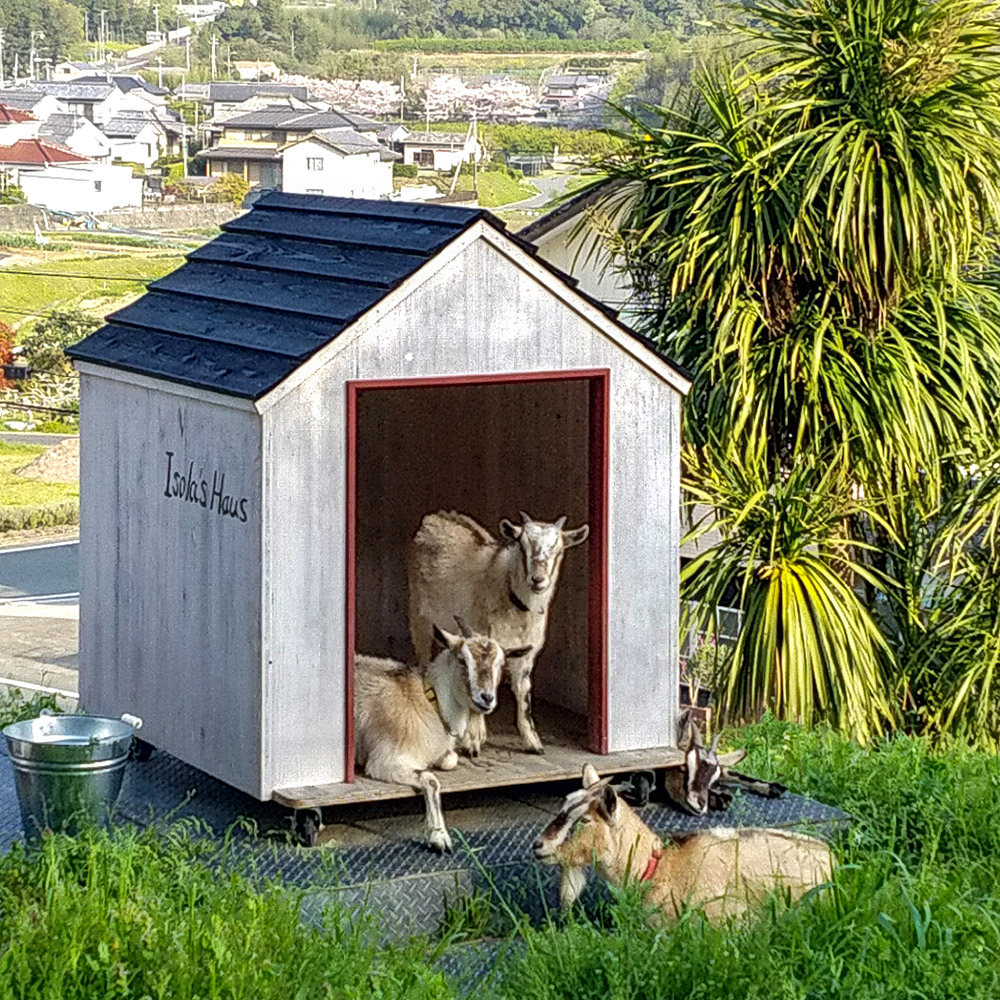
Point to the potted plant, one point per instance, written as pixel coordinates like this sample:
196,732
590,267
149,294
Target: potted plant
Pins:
701,672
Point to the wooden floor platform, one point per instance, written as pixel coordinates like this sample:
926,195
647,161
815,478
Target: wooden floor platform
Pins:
502,763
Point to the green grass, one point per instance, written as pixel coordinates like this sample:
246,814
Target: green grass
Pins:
913,911
17,491
35,293
496,188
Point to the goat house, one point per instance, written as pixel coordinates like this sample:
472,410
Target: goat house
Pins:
264,429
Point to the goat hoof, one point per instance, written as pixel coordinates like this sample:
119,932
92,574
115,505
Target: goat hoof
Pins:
441,843
539,750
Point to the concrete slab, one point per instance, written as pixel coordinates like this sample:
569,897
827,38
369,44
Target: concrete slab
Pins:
39,646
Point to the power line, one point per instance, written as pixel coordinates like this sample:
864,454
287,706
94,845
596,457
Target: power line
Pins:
73,274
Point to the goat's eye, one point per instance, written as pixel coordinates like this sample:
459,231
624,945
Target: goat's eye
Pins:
586,819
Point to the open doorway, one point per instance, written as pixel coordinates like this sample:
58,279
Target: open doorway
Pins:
487,446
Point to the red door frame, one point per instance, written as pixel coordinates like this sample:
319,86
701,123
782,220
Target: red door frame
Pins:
597,549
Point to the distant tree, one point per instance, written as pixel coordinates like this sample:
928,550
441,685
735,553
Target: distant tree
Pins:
44,347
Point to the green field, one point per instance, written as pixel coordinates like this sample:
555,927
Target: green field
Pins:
496,188
17,491
29,289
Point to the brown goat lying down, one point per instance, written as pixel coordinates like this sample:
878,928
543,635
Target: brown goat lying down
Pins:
725,872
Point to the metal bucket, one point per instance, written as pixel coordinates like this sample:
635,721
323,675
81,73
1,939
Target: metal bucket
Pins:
68,769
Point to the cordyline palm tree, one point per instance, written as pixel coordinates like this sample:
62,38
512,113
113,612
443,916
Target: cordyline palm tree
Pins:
812,233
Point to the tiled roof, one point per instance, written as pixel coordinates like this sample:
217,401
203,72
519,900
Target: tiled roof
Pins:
282,281
9,114
60,127
21,98
348,140
84,93
124,82
38,152
240,153
291,120
241,91
129,125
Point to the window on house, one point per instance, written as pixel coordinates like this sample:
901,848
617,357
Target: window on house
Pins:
97,185
314,163
425,157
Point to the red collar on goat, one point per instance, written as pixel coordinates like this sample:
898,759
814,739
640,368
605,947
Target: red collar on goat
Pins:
651,867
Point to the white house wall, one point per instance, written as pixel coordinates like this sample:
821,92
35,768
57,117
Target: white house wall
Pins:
170,598
86,188
360,175
479,314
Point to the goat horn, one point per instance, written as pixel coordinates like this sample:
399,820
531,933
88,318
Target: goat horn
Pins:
696,736
561,522
525,517
715,742
463,628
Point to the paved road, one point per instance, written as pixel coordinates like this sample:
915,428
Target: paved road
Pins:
49,572
26,437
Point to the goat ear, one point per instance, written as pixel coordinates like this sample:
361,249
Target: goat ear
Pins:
715,742
590,775
610,803
576,536
684,729
446,639
513,654
510,530
696,740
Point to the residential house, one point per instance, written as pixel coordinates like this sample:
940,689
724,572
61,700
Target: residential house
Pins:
97,102
253,144
136,137
129,83
440,150
81,188
249,69
78,134
55,177
74,70
16,124
338,162
565,89
37,102
223,97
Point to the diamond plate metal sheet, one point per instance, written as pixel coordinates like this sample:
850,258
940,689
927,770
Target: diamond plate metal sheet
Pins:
393,874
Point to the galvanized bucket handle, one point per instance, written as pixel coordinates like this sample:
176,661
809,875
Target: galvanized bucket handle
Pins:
130,720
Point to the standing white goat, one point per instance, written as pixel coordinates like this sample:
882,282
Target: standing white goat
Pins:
723,871
501,588
406,723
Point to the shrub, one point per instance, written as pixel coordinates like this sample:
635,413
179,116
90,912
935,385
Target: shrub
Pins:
43,516
12,195
44,348
404,170
229,187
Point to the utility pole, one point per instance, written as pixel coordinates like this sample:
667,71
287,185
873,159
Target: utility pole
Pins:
156,14
293,41
184,130
86,25
1,58
215,38
159,69
101,52
187,53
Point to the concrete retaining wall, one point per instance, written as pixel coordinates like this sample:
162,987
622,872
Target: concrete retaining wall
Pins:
22,218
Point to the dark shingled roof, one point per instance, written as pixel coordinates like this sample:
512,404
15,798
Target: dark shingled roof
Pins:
282,281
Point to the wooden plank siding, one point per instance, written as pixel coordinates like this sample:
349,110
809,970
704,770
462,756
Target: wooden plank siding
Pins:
476,314
170,590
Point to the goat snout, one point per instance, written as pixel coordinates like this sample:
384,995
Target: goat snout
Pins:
486,700
538,848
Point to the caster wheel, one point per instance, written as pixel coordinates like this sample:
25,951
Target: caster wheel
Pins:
308,823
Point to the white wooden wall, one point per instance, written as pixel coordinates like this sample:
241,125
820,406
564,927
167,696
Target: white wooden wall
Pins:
170,590
480,313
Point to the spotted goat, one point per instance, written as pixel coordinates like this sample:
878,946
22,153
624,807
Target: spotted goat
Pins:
502,588
724,872
407,722
705,780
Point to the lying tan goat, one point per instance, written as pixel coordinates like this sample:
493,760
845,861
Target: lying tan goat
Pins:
723,871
